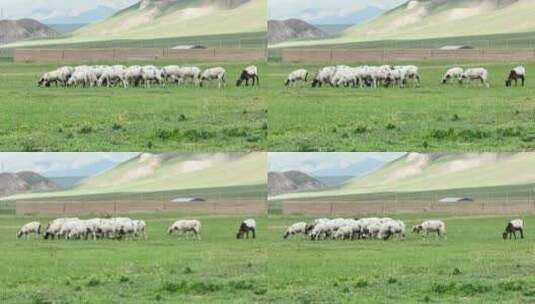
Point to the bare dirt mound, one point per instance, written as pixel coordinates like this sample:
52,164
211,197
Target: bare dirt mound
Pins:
290,182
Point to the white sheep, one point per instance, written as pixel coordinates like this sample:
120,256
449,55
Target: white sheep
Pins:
295,76
140,228
249,73
473,74
512,227
217,73
409,72
29,228
453,73
517,73
111,76
431,226
297,228
248,225
151,74
53,228
183,227
133,76
324,75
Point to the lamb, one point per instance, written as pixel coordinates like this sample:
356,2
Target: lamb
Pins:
248,225
517,73
295,76
217,73
512,227
294,229
185,226
249,73
475,74
29,228
453,73
324,75
431,226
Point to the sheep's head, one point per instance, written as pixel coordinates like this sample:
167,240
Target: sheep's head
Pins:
239,235
417,228
19,234
508,83
504,235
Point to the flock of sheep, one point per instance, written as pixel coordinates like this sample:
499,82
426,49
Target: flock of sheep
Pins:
319,229
136,76
393,76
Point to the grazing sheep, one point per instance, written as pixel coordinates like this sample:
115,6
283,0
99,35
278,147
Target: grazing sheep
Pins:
409,72
512,227
391,227
295,76
343,77
53,228
453,73
247,226
133,76
182,227
431,226
27,229
294,229
249,73
517,73
140,228
344,233
324,75
395,77
480,74
217,73
83,77
151,74
111,76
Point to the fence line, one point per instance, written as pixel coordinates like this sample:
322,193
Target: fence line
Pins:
253,207
359,208
125,54
339,56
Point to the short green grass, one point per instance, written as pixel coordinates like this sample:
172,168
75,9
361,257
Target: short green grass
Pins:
184,118
433,117
473,265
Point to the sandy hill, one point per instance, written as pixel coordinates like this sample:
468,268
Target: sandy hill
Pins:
426,19
416,172
23,182
16,30
291,181
284,30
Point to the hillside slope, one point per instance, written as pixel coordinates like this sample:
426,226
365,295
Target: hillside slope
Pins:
25,181
291,181
416,172
171,18
439,19
284,30
16,30
167,172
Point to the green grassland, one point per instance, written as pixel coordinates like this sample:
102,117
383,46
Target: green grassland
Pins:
473,265
433,117
184,118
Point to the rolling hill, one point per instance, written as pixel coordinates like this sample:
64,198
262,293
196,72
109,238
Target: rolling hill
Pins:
23,182
17,30
284,30
154,19
152,173
427,19
416,172
291,181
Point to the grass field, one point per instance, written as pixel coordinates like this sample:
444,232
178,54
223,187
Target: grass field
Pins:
174,118
434,117
473,265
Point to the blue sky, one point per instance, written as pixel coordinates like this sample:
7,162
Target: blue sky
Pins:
284,9
28,8
335,163
62,164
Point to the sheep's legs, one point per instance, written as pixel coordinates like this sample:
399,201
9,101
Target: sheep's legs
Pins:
521,233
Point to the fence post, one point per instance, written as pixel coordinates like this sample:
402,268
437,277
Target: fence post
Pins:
331,209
